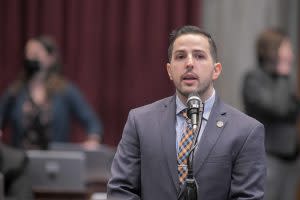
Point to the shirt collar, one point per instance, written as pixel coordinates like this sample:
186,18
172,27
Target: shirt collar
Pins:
208,104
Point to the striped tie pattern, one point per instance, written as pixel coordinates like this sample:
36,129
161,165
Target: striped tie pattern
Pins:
185,145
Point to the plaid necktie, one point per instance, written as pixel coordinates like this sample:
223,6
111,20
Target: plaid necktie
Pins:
185,145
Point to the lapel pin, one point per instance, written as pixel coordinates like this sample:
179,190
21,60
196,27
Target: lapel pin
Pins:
220,124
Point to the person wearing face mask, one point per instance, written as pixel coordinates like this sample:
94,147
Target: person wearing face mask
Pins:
151,161
41,104
270,96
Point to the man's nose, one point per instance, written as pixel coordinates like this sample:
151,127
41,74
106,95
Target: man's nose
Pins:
190,62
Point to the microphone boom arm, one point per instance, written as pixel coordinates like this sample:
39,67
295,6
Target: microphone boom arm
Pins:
190,185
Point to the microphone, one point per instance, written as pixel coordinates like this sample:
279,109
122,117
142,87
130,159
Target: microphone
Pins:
195,106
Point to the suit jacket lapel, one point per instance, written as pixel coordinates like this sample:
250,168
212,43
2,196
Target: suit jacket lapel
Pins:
215,124
168,134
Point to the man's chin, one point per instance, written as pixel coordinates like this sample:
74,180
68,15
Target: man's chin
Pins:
188,91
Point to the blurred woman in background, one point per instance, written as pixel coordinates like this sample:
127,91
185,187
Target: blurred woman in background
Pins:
40,104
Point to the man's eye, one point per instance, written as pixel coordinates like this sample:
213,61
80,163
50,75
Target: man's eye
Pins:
180,56
199,56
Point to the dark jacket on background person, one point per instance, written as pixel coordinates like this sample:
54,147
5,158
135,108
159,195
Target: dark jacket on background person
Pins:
271,99
14,168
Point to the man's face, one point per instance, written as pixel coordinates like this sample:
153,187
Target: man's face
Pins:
192,68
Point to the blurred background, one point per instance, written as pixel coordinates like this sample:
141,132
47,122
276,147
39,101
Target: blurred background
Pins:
115,51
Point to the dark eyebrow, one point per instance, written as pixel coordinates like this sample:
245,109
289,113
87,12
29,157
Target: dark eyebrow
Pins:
199,51
179,51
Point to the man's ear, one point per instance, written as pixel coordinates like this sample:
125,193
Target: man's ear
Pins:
217,71
168,66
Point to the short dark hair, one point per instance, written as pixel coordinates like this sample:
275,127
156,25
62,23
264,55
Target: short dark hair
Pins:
191,30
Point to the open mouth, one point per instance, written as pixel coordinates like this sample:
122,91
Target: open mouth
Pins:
189,77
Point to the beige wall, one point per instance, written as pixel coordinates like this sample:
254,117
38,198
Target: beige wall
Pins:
235,24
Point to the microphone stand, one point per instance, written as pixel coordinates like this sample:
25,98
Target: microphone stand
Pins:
190,186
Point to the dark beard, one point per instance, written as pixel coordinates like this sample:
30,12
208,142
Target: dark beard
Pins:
201,91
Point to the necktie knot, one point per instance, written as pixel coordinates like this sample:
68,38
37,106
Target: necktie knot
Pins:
185,116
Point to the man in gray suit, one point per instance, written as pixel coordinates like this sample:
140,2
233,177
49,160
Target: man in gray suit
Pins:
229,161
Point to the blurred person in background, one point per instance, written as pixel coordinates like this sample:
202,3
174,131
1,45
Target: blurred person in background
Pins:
41,103
14,170
270,96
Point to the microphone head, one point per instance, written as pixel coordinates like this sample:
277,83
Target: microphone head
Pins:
193,100
194,104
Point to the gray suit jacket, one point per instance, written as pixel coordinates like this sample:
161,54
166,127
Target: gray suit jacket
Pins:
229,162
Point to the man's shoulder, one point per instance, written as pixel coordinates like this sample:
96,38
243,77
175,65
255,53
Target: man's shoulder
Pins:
239,116
154,106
